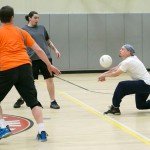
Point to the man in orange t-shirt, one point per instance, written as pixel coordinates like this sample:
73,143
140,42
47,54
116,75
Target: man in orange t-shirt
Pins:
16,70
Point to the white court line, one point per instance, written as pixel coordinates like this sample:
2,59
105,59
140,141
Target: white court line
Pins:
107,118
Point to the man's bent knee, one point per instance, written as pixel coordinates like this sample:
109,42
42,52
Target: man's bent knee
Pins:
38,104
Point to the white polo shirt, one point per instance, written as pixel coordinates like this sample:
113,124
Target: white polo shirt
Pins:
135,68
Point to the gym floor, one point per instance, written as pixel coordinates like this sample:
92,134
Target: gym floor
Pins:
80,124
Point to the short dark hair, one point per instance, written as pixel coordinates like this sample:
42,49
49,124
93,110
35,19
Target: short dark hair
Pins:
6,13
30,15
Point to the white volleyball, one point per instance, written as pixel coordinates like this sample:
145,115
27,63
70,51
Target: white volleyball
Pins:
105,61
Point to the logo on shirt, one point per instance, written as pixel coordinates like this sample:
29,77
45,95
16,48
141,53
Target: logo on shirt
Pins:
18,124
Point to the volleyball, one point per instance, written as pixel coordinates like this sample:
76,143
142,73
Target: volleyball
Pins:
105,61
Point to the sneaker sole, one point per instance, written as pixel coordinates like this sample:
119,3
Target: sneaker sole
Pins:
55,108
112,114
42,140
7,135
17,107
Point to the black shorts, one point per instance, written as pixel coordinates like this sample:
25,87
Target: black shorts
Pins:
38,66
22,78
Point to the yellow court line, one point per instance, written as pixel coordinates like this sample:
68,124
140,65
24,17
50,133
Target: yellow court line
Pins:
107,118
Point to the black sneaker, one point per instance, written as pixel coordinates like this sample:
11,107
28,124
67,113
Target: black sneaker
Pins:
54,105
113,110
19,102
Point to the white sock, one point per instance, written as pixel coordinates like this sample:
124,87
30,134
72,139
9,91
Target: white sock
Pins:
41,127
52,100
3,123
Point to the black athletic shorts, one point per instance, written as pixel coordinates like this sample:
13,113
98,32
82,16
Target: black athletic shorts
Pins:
38,66
22,78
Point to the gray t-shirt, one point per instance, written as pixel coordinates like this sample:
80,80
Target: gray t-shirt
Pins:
40,35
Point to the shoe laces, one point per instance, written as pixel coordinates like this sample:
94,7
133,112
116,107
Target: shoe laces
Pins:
2,130
54,102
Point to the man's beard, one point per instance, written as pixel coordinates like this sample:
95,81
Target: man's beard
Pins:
35,24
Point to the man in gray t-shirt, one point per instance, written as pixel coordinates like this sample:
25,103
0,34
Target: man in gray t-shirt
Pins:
40,35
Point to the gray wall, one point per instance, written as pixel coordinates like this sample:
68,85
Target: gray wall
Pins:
83,38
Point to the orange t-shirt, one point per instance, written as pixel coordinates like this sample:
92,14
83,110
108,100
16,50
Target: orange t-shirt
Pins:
12,48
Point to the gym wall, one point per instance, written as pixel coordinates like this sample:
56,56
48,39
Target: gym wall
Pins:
79,6
84,30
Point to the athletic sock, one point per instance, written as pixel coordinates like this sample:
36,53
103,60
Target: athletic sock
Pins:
52,100
41,127
3,123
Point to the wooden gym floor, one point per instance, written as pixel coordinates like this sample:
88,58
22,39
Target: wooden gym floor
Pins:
80,123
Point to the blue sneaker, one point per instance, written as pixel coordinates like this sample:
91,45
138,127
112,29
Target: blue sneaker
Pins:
5,132
42,137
